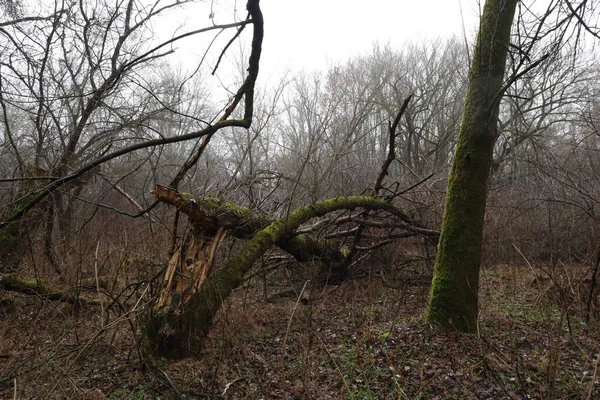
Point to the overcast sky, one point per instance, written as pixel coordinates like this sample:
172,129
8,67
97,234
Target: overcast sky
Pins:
314,34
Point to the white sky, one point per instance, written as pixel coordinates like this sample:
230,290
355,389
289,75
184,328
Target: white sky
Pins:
314,34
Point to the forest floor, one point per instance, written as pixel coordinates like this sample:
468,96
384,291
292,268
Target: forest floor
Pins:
364,339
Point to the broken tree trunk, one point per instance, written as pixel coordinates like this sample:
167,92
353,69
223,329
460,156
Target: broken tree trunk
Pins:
183,314
209,214
189,268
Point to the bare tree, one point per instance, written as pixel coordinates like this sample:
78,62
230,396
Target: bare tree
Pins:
81,86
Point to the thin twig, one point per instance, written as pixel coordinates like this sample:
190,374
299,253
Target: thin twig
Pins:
287,331
237,34
172,385
593,382
337,367
98,282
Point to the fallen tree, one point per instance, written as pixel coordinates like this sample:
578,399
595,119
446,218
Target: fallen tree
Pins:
191,295
41,289
209,214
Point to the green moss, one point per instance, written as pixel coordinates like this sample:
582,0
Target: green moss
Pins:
186,196
178,333
454,290
7,237
15,282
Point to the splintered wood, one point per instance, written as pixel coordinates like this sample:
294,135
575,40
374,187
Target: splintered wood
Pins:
189,268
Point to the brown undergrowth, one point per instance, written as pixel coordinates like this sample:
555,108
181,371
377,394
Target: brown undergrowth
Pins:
364,339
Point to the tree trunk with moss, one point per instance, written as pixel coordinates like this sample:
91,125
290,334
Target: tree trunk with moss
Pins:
180,320
12,247
453,299
41,289
14,236
211,213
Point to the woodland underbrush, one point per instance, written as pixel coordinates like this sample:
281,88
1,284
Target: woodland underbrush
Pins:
363,339
284,334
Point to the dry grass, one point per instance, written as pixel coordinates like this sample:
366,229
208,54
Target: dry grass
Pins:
362,340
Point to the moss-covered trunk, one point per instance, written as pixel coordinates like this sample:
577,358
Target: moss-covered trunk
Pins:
453,298
175,331
15,235
12,247
210,214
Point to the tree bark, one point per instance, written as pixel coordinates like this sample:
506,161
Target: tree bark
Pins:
13,246
176,330
39,288
453,298
14,241
208,214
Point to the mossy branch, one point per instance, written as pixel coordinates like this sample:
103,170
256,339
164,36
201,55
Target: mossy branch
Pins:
209,214
177,333
39,288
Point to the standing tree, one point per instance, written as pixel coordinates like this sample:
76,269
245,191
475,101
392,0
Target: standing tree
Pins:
80,86
453,298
